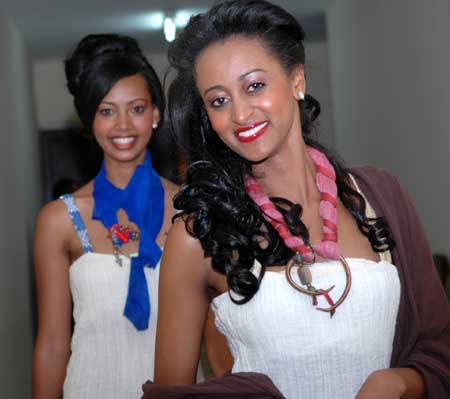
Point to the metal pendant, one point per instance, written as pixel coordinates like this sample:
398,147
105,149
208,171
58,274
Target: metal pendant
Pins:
304,274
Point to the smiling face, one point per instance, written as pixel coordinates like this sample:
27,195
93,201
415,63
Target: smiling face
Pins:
123,120
251,100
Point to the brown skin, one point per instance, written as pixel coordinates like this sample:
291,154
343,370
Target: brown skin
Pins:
216,347
405,383
247,87
57,245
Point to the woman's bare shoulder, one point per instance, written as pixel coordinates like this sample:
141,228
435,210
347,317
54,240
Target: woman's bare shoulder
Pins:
183,251
55,216
169,187
53,229
186,242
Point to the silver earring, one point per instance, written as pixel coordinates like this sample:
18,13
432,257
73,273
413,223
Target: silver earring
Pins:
301,95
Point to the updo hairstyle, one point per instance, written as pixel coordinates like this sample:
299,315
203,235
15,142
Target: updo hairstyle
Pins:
98,62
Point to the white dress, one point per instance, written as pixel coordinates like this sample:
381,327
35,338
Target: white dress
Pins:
110,358
307,354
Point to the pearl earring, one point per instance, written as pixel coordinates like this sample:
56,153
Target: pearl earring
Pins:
301,95
155,125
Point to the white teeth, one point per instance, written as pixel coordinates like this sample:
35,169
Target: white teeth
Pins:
253,131
123,140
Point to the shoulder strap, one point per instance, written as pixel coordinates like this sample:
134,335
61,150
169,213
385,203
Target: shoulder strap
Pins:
370,213
77,221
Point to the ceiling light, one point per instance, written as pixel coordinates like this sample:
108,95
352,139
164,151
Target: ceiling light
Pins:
169,29
142,21
155,20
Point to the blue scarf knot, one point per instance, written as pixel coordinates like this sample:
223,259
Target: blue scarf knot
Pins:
143,201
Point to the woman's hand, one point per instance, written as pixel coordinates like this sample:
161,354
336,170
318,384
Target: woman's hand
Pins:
394,383
382,384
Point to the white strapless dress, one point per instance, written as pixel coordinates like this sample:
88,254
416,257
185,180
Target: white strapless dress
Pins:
110,358
307,354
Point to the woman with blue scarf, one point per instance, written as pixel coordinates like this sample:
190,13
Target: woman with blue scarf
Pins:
97,251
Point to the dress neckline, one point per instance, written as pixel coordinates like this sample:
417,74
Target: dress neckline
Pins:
99,254
358,262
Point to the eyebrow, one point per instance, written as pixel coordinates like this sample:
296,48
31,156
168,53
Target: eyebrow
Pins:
129,102
242,77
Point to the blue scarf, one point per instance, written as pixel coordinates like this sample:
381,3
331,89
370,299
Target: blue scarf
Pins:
143,201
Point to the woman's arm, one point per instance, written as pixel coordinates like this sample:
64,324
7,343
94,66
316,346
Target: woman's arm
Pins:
52,349
216,346
393,383
182,308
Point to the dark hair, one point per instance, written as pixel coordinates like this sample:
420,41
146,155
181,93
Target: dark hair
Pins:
97,63
217,208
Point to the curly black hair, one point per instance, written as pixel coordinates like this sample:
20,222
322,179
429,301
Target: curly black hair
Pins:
97,63
213,200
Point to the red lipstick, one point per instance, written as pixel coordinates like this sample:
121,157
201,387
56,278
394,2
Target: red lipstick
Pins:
252,132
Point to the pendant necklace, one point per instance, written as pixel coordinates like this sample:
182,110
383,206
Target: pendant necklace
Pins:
121,234
304,255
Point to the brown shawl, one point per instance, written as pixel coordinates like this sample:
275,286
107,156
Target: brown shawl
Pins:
232,386
422,337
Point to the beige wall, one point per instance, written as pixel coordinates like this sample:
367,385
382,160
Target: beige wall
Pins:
19,180
390,72
318,84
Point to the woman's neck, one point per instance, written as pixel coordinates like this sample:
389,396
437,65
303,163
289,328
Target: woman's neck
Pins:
291,174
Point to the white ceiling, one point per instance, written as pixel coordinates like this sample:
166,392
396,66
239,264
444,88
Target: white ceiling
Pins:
51,27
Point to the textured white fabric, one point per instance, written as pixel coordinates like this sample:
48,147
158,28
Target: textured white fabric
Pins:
305,353
110,358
